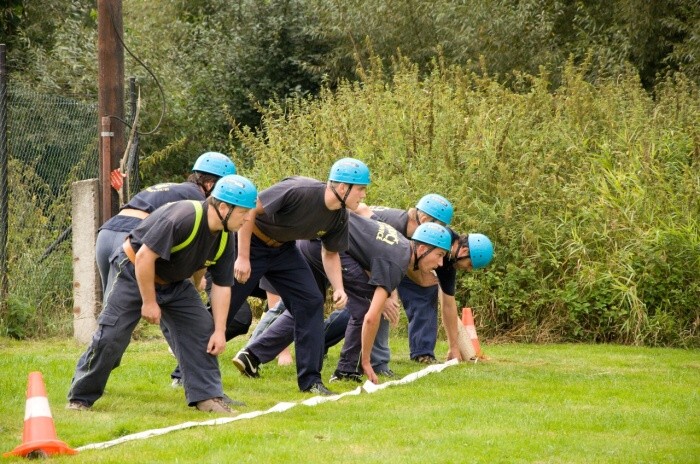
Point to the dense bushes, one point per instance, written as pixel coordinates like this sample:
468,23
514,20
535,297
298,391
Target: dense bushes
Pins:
591,193
584,172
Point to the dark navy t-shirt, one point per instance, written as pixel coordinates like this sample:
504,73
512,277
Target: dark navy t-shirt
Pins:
398,218
376,246
380,249
447,274
152,198
295,209
172,225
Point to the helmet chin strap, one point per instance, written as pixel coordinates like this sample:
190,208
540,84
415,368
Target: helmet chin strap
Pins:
417,218
417,258
342,200
224,220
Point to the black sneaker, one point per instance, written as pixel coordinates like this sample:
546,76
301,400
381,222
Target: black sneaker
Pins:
385,373
247,364
342,375
425,359
319,389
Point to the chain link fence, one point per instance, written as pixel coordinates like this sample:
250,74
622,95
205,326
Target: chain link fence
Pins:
51,142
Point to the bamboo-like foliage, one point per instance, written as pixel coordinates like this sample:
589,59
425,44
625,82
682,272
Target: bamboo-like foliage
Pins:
591,194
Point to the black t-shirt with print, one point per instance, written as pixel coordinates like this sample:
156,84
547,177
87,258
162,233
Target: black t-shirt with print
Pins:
398,218
376,246
171,225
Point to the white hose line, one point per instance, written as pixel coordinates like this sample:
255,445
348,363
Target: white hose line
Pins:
368,387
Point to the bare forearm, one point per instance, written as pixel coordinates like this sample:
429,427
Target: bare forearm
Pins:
450,320
331,264
370,325
220,299
145,272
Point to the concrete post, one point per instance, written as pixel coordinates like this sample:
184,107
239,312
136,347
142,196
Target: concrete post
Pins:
87,291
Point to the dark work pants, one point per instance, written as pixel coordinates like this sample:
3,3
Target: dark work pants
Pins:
421,305
360,293
239,326
182,312
288,272
336,324
106,243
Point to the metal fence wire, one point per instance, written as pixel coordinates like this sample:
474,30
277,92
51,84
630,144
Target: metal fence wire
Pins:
51,143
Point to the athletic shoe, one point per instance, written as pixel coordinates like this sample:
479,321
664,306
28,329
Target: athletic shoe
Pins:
319,389
78,406
425,359
232,403
385,372
245,363
176,383
342,375
215,405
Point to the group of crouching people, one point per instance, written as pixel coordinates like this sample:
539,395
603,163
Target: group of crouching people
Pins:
304,239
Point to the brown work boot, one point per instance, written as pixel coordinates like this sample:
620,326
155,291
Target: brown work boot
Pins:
77,406
215,405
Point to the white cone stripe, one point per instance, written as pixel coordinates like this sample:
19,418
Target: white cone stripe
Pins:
37,406
368,387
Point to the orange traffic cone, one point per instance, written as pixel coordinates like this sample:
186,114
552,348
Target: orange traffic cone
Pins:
468,321
39,437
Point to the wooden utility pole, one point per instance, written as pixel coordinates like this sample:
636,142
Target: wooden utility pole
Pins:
110,102
4,205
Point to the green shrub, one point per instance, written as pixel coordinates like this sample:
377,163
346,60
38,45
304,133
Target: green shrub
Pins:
590,193
39,287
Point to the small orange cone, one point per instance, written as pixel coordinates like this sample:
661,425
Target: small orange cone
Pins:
39,437
468,321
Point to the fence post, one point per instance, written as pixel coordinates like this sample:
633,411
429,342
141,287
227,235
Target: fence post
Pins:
106,136
86,288
3,182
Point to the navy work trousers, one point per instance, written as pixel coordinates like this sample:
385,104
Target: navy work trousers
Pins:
289,273
421,305
182,312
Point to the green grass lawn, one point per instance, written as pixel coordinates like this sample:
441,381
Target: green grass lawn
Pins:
529,403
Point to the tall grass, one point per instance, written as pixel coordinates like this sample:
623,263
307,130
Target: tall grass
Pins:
591,193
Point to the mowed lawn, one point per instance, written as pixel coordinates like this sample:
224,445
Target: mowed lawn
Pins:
528,403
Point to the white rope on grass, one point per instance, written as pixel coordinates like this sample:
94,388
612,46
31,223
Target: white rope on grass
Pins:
368,387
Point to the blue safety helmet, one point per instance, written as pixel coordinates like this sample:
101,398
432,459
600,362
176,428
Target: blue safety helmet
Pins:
349,171
480,250
214,163
236,190
436,206
433,234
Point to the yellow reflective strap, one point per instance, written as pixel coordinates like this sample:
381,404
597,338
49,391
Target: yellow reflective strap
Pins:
197,221
222,246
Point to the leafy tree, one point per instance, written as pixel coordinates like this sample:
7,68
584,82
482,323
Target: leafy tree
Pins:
54,45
